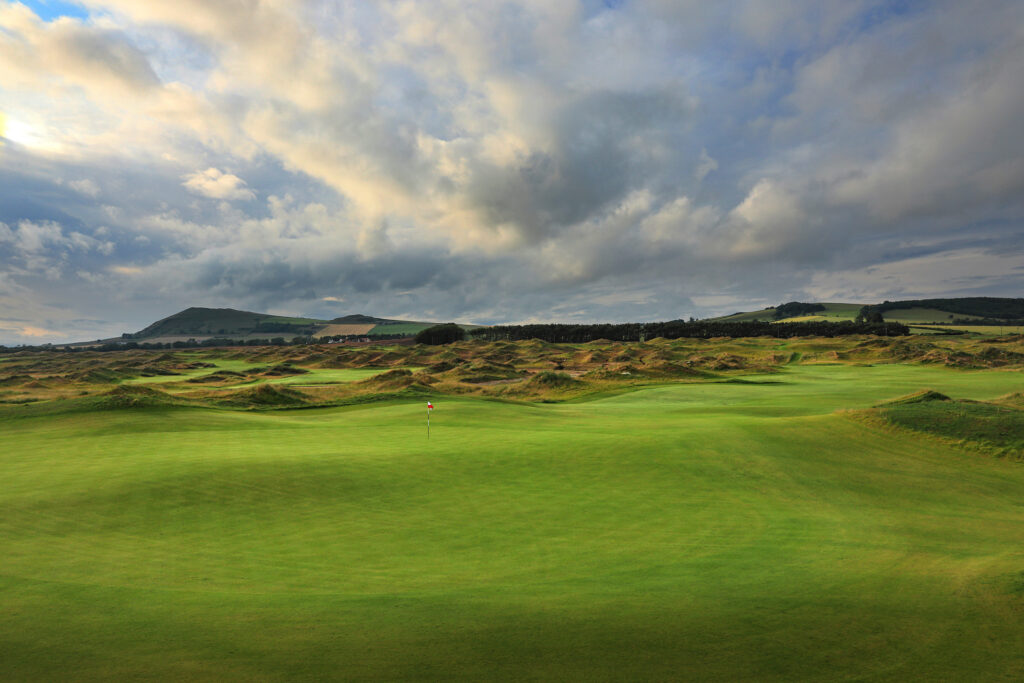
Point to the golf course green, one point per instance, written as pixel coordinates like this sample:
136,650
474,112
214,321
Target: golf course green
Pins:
759,528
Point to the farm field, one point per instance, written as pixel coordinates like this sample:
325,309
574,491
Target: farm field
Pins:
833,312
985,330
762,524
923,320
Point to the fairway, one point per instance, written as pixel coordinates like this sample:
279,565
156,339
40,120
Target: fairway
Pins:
714,531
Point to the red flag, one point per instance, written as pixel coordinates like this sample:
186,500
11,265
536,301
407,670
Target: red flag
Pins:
430,406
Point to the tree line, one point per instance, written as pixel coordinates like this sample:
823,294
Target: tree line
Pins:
997,308
675,329
129,344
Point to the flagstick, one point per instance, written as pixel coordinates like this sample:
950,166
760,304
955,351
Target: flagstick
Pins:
428,423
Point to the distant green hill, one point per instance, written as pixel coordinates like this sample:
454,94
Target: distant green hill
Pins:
204,323
829,311
988,307
974,311
207,322
359,318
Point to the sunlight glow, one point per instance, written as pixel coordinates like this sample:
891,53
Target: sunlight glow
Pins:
27,135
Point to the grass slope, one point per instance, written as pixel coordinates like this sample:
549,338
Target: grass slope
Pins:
918,311
997,427
216,321
204,323
833,311
712,531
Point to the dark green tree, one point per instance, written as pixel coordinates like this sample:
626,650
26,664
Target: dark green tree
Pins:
441,334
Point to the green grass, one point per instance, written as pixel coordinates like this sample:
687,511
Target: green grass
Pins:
833,311
715,531
921,315
991,425
331,376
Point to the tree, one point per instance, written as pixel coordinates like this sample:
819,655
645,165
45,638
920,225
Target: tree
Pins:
440,334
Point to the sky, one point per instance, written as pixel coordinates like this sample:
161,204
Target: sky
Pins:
502,162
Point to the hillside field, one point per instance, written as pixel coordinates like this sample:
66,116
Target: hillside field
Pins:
833,312
723,510
977,315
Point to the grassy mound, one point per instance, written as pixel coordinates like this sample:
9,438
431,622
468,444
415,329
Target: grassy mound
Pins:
1016,399
219,376
283,370
483,371
99,376
394,380
550,380
133,396
156,371
266,396
990,425
922,396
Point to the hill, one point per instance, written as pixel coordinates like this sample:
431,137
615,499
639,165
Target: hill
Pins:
828,311
227,323
223,321
965,311
983,307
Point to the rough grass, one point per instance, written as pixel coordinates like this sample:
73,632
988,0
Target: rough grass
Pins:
266,396
922,396
995,426
500,369
922,315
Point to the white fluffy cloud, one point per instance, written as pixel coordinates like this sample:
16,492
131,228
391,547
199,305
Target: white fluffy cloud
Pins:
216,184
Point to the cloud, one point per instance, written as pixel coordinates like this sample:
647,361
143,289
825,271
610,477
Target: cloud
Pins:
216,184
26,331
526,160
86,187
67,50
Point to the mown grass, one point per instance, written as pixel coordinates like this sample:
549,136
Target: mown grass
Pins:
713,531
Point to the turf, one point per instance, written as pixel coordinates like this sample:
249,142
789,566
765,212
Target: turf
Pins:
714,531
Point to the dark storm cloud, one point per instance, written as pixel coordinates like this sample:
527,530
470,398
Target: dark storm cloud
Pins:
604,144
